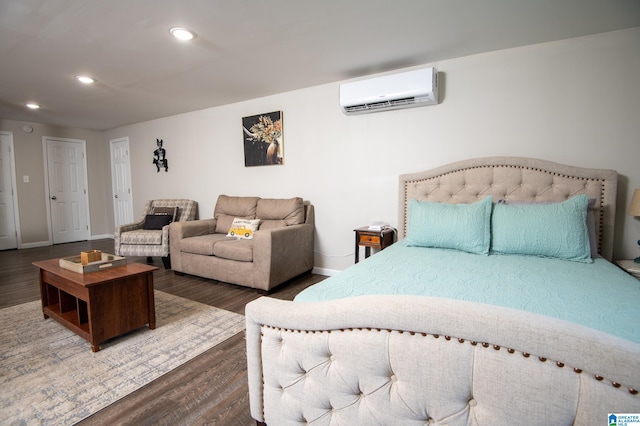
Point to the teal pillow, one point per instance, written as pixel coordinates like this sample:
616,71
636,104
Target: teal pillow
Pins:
556,230
465,227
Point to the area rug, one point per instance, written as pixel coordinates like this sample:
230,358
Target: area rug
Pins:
48,375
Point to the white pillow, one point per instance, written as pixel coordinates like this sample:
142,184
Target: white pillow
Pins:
243,228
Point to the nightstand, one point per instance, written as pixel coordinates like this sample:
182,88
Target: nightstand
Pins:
369,238
630,266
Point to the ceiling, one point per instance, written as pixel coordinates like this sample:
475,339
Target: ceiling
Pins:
247,49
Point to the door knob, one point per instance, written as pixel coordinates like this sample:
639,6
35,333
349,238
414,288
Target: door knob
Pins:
116,196
54,198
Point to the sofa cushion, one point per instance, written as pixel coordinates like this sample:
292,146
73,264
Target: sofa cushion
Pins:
228,208
276,213
185,209
141,237
234,249
156,221
171,211
202,244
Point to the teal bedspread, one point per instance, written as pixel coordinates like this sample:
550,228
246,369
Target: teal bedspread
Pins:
598,295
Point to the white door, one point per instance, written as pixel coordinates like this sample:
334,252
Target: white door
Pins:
121,181
67,189
8,201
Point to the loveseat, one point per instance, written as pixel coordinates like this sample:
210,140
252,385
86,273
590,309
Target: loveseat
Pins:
250,241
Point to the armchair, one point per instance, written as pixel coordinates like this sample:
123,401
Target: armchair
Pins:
150,235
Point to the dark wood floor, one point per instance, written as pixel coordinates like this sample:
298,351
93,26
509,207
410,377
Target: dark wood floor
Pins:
211,389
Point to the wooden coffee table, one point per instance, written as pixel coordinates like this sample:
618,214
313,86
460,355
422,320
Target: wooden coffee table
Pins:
98,305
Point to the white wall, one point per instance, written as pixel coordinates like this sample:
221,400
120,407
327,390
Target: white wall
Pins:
575,101
32,200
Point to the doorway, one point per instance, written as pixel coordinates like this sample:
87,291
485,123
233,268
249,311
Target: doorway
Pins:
66,189
8,194
121,181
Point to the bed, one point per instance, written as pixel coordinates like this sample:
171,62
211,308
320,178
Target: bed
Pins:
464,321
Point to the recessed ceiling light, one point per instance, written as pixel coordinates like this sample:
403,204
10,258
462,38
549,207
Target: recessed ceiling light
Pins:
32,105
84,79
182,33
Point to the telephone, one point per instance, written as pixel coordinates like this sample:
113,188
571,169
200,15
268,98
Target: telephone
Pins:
378,225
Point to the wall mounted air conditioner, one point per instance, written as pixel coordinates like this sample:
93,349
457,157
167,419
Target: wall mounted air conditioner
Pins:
395,91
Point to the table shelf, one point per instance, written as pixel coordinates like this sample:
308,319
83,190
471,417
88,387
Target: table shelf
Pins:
69,319
60,304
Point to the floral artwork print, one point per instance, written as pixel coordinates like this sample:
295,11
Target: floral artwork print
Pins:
263,139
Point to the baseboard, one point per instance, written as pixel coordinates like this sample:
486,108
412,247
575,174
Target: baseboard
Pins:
324,271
48,243
101,237
36,244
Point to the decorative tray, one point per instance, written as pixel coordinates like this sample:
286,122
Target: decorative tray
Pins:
74,263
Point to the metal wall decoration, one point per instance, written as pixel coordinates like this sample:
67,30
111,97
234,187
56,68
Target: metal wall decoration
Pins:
263,139
160,157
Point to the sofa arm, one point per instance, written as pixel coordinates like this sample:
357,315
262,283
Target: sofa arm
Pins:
282,253
191,228
120,229
128,227
180,230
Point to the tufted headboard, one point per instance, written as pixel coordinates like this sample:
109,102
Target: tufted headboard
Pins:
515,179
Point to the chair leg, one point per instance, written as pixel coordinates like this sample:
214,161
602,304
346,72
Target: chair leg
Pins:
166,261
149,259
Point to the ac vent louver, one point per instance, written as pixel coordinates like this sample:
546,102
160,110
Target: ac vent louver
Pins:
403,90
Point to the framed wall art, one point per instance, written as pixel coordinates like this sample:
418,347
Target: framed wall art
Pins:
262,135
